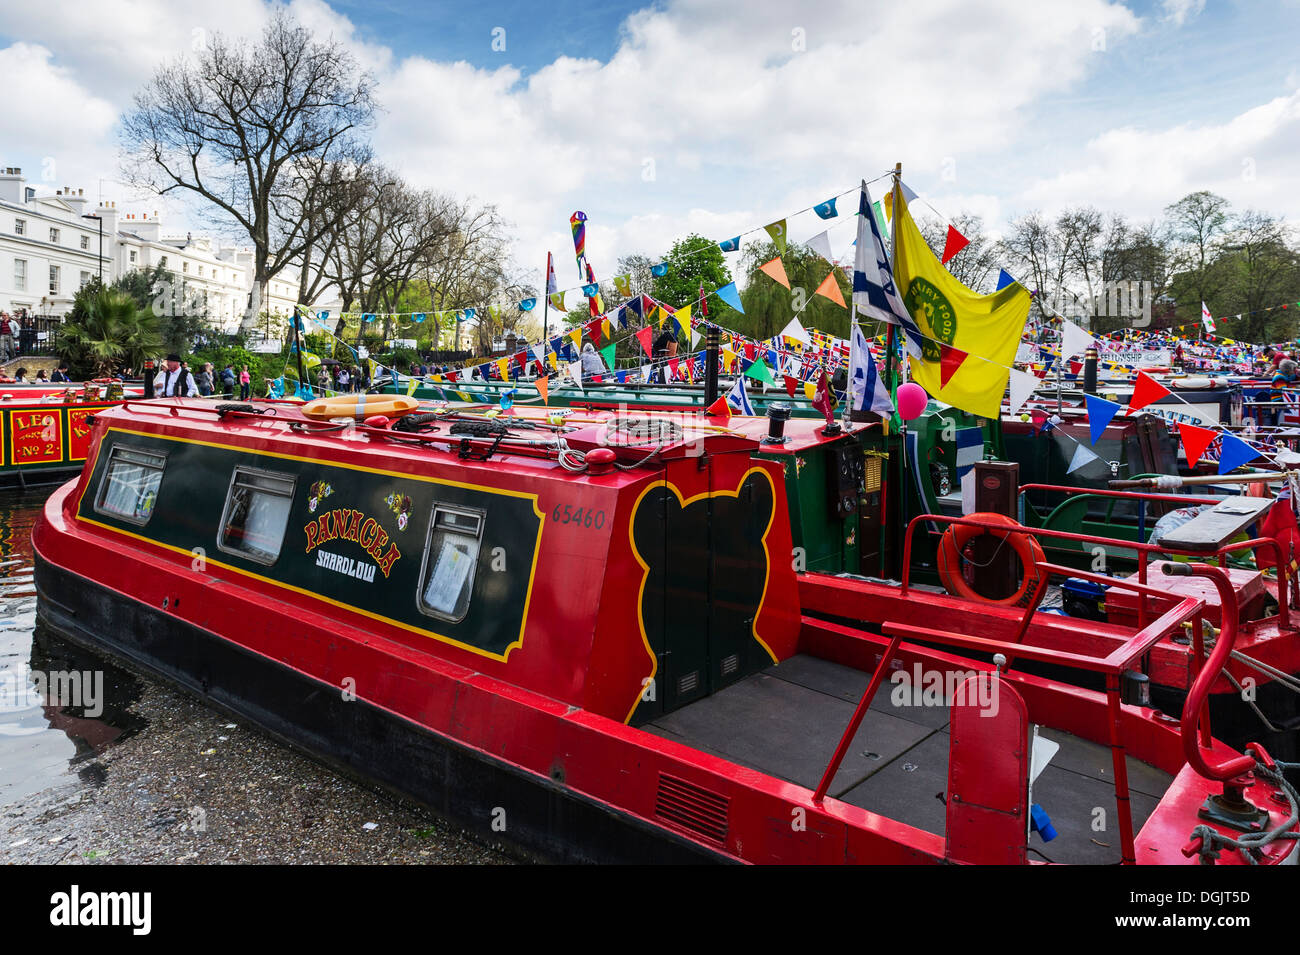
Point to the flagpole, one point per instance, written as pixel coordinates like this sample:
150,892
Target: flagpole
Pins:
890,372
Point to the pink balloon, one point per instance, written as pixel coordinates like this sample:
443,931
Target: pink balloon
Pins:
912,400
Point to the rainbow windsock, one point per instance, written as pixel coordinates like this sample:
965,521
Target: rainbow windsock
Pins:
578,223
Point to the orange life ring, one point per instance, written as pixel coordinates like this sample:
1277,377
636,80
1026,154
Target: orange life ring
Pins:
955,539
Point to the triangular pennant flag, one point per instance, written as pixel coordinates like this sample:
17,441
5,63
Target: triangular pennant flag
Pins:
729,245
543,389
777,231
1145,390
826,210
1195,441
719,407
950,360
796,331
1233,453
1081,457
810,390
608,354
576,335
729,295
760,372
790,385
643,337
775,270
1022,385
1074,340
575,372
953,244
623,285
683,318
557,301
821,244
1100,413
1004,279
830,288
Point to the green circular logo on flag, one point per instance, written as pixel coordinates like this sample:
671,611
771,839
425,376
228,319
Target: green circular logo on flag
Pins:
934,313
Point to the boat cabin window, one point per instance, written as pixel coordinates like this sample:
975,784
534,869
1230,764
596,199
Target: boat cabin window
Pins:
257,512
129,487
450,559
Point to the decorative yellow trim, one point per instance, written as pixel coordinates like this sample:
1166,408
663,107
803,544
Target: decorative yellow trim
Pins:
645,568
532,572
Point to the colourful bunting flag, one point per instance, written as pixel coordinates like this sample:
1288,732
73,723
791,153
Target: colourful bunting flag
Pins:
1145,390
729,295
1100,413
775,270
777,231
953,244
1195,440
830,288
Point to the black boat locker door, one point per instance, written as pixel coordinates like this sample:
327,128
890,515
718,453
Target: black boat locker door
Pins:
738,572
685,664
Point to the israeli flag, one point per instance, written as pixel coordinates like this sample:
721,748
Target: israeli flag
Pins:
866,389
738,398
874,292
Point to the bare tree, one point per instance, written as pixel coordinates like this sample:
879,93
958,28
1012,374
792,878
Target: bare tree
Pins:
976,265
238,124
1198,224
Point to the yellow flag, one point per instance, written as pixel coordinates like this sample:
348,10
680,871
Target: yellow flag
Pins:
777,231
982,331
576,335
410,388
623,285
810,389
683,319
551,358
503,366
557,300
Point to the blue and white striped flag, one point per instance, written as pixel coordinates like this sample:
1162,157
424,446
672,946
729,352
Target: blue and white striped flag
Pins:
866,389
874,292
738,398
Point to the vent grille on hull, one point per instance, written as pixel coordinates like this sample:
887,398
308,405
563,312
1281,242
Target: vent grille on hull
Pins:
688,683
692,807
730,664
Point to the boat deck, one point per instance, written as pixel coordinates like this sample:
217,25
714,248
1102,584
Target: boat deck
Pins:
787,720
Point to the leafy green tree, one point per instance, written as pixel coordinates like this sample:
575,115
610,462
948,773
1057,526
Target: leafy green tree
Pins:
693,262
769,306
110,333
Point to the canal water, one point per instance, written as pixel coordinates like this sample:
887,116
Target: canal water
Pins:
49,738
99,765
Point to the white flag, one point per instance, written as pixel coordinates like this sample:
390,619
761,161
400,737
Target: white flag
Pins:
1207,320
1022,386
796,331
1074,340
865,384
821,244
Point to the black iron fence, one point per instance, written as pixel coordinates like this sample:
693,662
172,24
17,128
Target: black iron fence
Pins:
34,335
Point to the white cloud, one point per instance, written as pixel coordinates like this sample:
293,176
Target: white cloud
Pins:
1179,12
1249,160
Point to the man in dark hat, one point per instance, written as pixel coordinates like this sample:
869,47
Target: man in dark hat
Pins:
174,381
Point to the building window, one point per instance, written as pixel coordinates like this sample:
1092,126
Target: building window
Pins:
450,560
200,271
133,256
20,275
85,242
20,227
129,488
85,277
54,280
162,263
54,235
185,266
256,514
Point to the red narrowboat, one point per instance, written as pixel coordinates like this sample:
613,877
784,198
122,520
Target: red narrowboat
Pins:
587,635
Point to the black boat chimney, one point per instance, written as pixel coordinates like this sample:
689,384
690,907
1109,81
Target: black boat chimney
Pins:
710,365
1090,370
778,413
148,379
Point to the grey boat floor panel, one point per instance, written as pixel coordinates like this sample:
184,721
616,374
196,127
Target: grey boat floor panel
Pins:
787,720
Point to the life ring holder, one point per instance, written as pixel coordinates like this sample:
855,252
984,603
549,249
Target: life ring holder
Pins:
954,541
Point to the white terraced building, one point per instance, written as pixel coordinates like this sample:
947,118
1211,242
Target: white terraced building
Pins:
50,246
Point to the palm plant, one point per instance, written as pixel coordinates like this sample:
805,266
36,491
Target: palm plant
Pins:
106,330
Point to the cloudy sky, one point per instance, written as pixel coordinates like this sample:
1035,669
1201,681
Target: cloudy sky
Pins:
717,117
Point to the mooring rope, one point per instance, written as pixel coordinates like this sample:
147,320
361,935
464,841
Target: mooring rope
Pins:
1251,845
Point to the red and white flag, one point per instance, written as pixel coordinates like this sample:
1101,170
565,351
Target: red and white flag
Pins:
1207,320
551,286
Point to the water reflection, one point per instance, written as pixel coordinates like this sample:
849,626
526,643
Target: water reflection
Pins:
60,705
